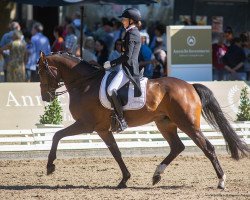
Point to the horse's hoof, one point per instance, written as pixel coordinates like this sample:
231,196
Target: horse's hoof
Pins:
122,185
221,187
156,179
50,169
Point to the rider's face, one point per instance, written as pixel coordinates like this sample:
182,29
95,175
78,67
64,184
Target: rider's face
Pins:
125,22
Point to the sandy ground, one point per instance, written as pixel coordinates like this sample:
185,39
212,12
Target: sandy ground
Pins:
188,177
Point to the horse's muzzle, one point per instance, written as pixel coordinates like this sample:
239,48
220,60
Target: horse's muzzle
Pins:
48,97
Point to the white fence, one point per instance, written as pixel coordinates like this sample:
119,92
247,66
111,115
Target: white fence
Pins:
143,136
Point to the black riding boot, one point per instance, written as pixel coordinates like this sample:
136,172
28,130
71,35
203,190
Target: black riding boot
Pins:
116,103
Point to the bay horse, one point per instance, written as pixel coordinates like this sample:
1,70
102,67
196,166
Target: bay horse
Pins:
170,103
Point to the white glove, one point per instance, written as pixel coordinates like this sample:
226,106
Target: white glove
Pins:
107,65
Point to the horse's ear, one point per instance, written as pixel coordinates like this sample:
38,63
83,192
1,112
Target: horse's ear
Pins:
42,55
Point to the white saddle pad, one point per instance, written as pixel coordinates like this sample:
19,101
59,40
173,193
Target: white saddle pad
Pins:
134,103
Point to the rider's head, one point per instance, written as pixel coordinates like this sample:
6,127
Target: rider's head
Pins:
131,16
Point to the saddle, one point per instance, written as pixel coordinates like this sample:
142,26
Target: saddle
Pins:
126,93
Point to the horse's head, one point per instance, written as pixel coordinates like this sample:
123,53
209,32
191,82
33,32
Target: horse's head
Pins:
48,78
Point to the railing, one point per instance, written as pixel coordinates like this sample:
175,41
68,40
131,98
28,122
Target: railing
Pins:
143,136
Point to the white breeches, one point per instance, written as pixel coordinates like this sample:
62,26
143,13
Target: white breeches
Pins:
120,80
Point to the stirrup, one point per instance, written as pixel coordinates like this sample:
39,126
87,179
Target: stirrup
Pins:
122,125
117,125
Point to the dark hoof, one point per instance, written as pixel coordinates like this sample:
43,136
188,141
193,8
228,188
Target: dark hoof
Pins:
122,185
156,179
221,187
50,169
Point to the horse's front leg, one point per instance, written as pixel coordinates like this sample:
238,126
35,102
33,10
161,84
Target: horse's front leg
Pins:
74,129
109,140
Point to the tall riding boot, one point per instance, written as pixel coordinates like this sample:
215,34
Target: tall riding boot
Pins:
116,103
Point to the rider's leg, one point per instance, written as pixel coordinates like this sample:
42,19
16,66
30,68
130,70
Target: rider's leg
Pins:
120,80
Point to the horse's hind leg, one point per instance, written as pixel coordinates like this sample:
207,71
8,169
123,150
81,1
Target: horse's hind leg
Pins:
169,132
202,142
109,140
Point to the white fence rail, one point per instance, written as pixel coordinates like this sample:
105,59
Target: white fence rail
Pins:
144,136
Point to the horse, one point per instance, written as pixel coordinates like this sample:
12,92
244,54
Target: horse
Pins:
170,102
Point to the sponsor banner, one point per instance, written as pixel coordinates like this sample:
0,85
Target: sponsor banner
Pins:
187,46
21,103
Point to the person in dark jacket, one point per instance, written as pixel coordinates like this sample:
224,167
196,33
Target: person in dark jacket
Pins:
131,20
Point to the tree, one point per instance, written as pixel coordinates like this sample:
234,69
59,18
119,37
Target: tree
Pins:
244,107
52,113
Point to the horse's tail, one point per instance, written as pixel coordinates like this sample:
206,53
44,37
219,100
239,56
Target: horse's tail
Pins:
213,114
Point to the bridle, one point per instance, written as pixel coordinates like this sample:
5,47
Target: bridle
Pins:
49,71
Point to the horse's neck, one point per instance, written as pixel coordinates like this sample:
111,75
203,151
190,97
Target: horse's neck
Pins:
75,79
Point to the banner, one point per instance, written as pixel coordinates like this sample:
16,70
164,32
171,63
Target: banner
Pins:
190,52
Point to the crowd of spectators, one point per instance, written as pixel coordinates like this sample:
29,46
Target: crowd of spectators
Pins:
19,49
231,56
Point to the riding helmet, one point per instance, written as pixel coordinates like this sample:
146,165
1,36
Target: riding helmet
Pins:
132,13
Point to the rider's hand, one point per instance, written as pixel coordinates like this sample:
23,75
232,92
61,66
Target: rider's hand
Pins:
107,65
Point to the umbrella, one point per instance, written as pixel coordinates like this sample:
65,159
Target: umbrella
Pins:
50,3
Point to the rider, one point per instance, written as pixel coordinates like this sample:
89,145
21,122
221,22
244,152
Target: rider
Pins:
131,20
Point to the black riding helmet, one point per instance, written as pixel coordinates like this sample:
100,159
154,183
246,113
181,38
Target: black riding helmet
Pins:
132,13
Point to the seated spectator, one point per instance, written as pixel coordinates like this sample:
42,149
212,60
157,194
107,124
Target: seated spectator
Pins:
88,53
145,57
116,53
101,52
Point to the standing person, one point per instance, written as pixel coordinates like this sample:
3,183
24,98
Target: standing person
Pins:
70,40
31,55
41,43
131,20
58,44
219,49
234,59
6,39
16,65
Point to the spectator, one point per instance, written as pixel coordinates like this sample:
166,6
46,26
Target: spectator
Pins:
118,30
70,40
58,44
143,29
246,47
108,36
116,53
31,56
234,60
145,57
88,50
160,39
228,34
219,49
6,39
41,43
66,22
101,52
16,64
